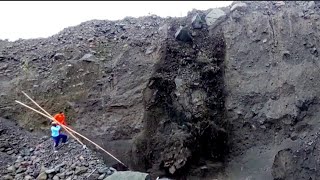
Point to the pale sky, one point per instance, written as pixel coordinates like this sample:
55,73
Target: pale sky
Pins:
34,19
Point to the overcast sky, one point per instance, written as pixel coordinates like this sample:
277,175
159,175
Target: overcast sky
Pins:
33,19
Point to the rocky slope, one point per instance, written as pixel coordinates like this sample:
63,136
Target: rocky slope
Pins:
228,93
31,156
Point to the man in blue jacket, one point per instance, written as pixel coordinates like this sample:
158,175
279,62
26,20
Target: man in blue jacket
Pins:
57,135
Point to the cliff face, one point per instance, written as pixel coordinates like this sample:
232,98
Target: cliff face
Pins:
233,93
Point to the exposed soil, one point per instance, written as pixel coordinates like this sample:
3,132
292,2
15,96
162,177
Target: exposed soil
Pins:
228,93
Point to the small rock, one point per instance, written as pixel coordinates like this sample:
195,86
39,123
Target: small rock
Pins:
109,172
196,22
55,177
7,177
239,6
81,158
49,171
101,176
80,170
280,3
28,177
42,176
59,56
183,35
90,39
21,169
60,165
112,169
150,50
43,138
18,176
69,173
11,169
128,175
311,4
10,152
172,169
4,67
103,170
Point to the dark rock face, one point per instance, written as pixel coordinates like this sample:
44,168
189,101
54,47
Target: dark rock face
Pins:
236,98
183,35
184,102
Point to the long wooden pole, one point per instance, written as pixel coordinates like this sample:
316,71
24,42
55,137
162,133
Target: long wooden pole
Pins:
71,131
51,116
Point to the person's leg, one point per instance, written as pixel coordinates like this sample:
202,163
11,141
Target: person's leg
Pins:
64,138
55,143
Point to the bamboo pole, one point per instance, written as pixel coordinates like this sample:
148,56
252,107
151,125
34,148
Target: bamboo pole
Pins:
71,131
51,116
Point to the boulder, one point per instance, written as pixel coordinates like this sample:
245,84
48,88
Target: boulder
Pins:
128,175
196,22
183,35
213,15
239,6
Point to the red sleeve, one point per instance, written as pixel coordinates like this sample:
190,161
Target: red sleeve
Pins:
56,117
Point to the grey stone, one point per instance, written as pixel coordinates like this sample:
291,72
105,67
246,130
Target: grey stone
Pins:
69,173
109,172
87,57
55,177
150,50
11,169
80,170
59,56
28,177
101,176
239,6
183,35
21,169
112,169
280,3
7,177
49,171
42,176
311,5
196,22
213,15
103,170
128,175
60,166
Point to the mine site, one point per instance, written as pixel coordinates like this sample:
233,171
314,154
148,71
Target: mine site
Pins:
226,93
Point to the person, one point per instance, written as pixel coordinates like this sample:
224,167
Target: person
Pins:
57,135
60,117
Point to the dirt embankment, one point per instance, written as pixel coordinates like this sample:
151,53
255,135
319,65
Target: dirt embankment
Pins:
230,94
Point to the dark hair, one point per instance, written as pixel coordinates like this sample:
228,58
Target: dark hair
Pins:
60,112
